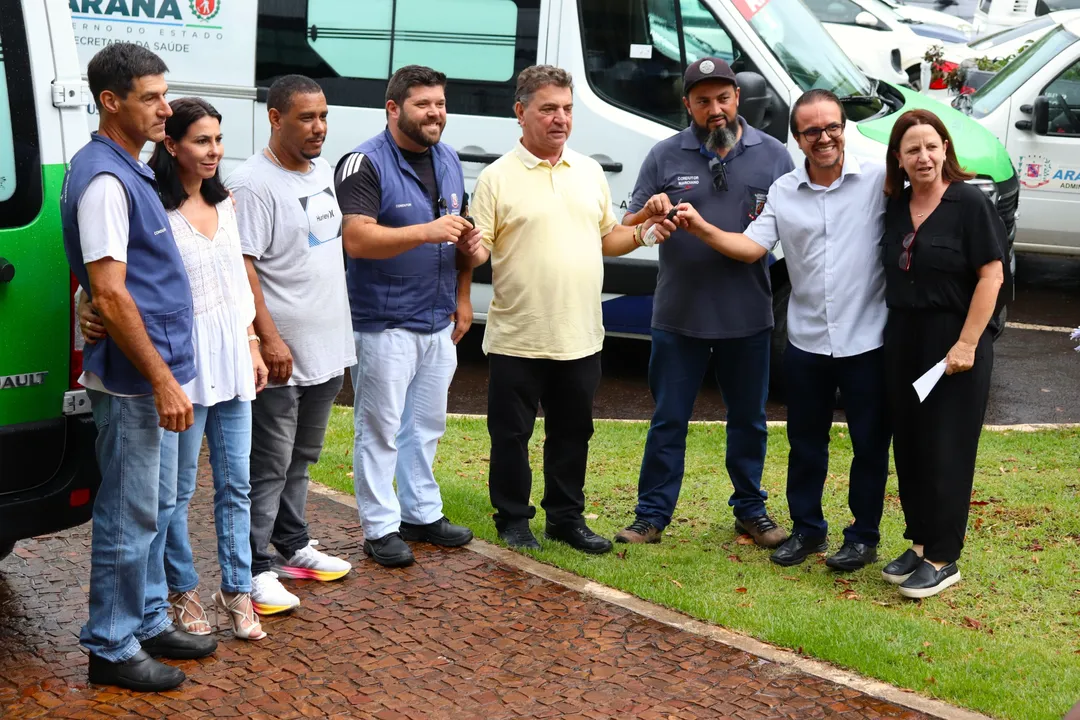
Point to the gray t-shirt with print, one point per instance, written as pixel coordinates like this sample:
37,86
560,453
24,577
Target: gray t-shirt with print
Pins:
290,224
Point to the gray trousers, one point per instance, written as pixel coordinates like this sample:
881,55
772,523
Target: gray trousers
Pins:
288,425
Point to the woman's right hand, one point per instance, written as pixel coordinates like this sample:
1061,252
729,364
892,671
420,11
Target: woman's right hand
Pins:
90,323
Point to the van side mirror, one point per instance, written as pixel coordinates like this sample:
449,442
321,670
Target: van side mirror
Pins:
1040,115
866,19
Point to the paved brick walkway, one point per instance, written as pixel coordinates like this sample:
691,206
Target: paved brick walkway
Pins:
454,636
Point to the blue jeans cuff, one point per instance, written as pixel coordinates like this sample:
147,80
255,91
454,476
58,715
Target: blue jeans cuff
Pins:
161,627
124,655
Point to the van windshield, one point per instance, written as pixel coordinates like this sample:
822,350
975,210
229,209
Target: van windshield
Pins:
1009,79
1009,34
803,47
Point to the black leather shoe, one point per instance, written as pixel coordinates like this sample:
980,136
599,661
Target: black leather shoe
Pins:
389,551
141,673
518,535
902,567
441,532
176,644
852,556
579,537
797,548
928,580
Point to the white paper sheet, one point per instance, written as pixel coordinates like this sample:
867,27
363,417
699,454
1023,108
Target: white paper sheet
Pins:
929,379
641,52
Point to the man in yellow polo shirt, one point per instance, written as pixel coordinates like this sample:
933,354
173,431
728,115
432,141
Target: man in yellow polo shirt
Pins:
546,216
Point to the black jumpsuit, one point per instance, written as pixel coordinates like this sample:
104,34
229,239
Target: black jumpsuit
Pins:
935,442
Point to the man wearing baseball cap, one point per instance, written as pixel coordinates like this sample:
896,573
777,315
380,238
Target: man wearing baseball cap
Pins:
706,304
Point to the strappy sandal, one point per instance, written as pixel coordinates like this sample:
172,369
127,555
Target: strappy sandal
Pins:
186,604
245,623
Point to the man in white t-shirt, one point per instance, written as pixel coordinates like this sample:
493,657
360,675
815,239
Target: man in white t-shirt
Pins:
290,232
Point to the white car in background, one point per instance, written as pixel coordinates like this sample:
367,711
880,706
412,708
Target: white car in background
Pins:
994,15
882,43
928,19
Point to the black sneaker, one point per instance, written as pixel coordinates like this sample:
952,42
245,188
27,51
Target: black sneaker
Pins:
901,568
928,580
797,548
141,673
852,556
579,537
518,535
389,551
441,532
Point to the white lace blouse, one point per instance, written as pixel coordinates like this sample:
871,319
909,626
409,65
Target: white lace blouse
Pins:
224,308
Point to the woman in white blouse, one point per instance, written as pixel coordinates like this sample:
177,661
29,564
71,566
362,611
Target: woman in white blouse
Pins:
230,370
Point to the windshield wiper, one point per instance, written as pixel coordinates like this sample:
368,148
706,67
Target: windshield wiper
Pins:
867,99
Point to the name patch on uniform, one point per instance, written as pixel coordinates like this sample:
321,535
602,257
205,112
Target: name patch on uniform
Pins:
687,181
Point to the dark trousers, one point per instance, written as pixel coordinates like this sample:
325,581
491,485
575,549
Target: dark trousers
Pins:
677,366
517,387
288,426
812,381
935,442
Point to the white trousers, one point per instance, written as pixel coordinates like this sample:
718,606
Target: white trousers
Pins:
401,381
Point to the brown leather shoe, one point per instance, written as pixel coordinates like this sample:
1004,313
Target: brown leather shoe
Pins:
766,533
639,531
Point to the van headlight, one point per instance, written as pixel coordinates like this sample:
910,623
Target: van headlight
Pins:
988,186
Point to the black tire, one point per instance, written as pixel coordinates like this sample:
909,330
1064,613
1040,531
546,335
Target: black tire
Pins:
781,296
6,548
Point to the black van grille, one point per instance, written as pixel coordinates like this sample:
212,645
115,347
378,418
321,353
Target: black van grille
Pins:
1007,202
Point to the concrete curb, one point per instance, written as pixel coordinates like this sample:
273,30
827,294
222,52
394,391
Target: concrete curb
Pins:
780,656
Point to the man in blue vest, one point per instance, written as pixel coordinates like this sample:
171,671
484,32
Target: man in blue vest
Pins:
120,247
402,194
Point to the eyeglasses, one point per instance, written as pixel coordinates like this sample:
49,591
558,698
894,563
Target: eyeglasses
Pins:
905,256
719,174
812,134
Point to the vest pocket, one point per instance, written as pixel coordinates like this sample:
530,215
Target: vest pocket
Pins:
171,335
400,293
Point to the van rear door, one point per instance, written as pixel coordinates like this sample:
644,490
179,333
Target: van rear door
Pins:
35,290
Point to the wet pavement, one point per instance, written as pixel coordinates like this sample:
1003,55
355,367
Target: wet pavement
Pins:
457,636
1036,375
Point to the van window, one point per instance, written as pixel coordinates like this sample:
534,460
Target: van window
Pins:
1064,96
1010,78
1009,34
20,159
634,58
481,45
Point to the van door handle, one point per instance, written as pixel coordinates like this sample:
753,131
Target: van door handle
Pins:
612,167
7,271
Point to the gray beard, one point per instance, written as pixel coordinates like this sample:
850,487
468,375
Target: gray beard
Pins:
721,137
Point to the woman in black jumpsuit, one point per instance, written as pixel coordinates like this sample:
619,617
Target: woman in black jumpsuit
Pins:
942,252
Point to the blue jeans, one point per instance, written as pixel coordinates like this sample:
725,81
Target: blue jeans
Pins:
676,369
125,608
227,427
812,382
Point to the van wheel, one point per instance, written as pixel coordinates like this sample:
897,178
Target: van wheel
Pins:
6,548
781,296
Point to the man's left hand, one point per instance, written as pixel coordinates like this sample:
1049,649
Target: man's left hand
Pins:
469,243
462,319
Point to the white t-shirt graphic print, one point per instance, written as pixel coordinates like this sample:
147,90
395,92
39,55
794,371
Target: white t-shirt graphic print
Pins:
290,224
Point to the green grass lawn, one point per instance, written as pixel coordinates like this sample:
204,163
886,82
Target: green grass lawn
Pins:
1005,641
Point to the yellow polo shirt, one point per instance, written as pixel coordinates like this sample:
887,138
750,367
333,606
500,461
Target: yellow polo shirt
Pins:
543,226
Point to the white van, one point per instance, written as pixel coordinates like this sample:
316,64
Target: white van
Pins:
994,15
627,58
1033,106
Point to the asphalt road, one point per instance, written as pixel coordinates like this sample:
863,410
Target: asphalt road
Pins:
1036,372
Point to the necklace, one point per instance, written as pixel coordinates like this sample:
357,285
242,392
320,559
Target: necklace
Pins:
274,156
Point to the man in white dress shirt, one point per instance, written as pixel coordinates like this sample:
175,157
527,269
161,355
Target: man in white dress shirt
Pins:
828,214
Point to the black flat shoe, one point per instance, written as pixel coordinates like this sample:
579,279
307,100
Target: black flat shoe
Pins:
176,644
441,532
579,537
141,673
901,568
389,551
797,548
852,556
928,580
518,535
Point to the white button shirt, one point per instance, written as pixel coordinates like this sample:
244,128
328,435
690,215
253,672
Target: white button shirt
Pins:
830,238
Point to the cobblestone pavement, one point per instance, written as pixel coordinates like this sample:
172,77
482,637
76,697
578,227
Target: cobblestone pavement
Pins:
454,636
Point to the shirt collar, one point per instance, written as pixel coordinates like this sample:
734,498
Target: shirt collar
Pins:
851,167
531,161
139,166
750,136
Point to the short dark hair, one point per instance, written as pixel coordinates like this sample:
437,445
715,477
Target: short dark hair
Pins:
410,76
281,92
186,111
115,67
951,171
535,77
813,96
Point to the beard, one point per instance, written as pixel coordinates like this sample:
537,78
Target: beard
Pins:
415,131
721,137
